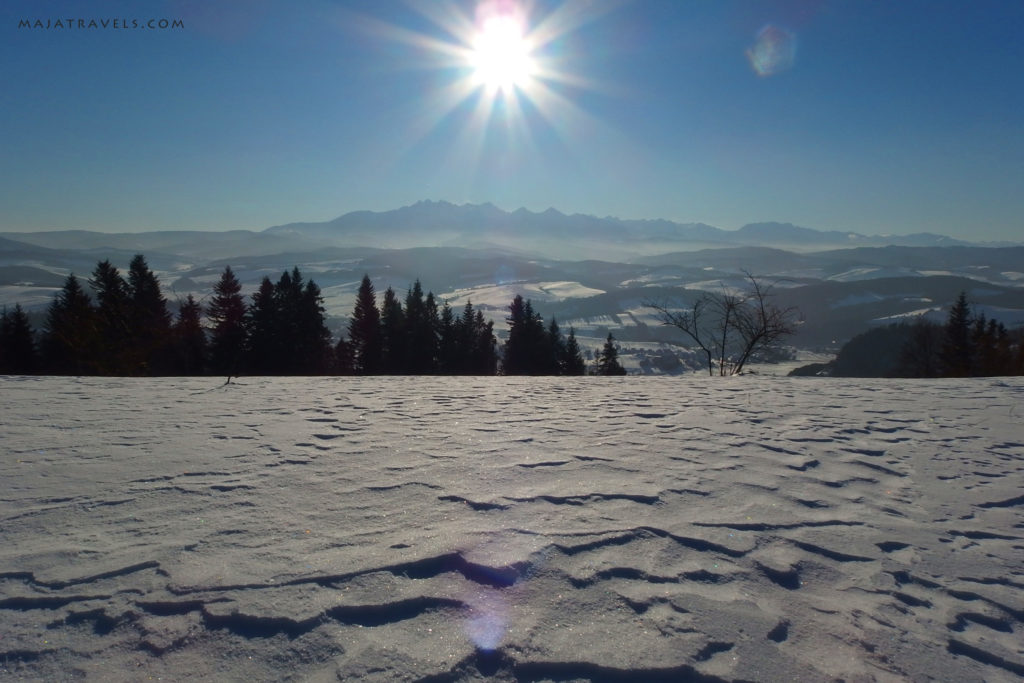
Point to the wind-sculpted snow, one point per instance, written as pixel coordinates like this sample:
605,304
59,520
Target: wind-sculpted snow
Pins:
528,529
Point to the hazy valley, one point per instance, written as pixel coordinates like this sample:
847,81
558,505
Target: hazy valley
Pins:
590,273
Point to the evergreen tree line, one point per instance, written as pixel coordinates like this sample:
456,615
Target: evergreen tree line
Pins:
967,345
421,338
125,328
417,339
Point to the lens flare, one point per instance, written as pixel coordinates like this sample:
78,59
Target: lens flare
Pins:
488,620
773,52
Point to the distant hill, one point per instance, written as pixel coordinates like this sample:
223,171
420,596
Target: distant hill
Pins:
590,272
551,232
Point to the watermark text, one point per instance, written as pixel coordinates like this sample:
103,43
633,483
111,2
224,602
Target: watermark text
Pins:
100,24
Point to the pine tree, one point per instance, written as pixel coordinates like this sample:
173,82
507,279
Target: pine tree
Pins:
226,314
18,354
571,362
115,354
189,339
434,327
70,337
149,322
447,360
528,350
555,343
265,348
608,359
314,352
957,353
364,331
420,327
484,354
516,358
991,345
466,335
393,335
537,347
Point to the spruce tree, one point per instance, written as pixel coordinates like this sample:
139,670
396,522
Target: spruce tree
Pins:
447,360
265,348
571,362
70,336
149,322
516,358
18,354
528,348
189,339
420,324
608,359
226,314
484,354
364,331
116,355
555,343
393,335
314,352
957,353
466,335
536,342
434,327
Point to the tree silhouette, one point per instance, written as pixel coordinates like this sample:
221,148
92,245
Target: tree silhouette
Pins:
919,355
149,322
70,336
314,350
344,363
483,352
263,323
571,362
18,354
190,348
226,314
447,360
728,327
421,323
607,362
990,343
113,307
364,331
393,335
555,350
517,347
956,348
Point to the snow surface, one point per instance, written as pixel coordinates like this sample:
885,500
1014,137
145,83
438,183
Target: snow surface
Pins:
517,529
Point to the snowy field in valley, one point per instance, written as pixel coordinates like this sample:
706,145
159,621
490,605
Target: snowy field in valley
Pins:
518,529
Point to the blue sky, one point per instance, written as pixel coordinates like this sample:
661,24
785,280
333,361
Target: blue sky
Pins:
887,117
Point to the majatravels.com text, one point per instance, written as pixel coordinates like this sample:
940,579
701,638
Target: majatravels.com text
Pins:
101,23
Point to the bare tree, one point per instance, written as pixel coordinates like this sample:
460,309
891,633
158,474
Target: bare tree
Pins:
730,328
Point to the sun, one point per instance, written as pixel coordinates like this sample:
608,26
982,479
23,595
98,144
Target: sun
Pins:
500,55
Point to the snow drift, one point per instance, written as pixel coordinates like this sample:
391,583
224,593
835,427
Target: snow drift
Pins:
522,529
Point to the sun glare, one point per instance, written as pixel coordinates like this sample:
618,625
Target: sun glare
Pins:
506,74
500,55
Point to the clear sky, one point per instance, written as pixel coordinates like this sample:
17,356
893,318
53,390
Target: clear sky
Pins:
872,116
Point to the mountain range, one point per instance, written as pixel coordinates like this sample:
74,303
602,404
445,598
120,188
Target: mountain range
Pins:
590,272
568,236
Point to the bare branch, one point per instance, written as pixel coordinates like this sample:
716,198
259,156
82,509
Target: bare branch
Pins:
730,328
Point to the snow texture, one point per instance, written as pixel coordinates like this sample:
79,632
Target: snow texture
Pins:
515,529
